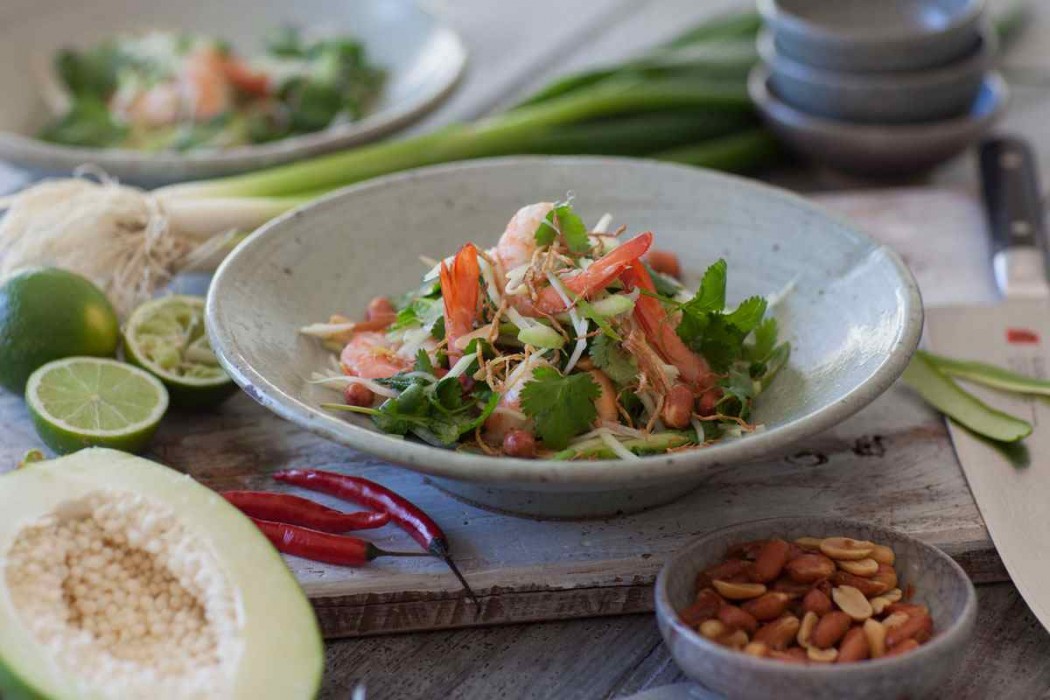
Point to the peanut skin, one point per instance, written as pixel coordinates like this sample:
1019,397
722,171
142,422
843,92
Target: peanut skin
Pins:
816,601
916,626
358,395
903,648
854,646
768,606
810,568
735,570
770,561
519,443
868,586
779,633
678,406
705,607
734,617
830,629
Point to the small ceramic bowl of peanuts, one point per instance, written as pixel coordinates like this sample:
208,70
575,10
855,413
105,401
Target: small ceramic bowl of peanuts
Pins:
815,608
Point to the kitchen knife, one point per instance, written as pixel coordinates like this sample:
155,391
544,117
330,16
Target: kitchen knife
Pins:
1010,484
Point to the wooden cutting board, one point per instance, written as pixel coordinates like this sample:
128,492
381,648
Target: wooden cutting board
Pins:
891,464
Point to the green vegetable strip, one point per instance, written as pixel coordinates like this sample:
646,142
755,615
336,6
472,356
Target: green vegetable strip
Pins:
743,25
633,135
989,375
740,152
657,443
937,389
499,135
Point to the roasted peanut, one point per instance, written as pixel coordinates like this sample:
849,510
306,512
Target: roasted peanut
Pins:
737,639
895,620
358,395
380,308
868,586
805,629
875,632
854,646
791,589
917,627
745,550
846,548
770,561
852,602
777,635
811,544
822,656
810,568
756,649
712,629
767,606
794,655
732,570
738,591
735,618
907,609
860,567
883,554
830,629
519,443
816,601
880,602
903,648
665,262
678,407
886,575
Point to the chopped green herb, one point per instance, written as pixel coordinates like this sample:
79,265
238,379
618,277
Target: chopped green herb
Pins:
609,357
561,407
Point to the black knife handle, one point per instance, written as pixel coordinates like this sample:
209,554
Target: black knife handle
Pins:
1010,183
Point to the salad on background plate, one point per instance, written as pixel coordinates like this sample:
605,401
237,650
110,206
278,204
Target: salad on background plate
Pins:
172,91
561,342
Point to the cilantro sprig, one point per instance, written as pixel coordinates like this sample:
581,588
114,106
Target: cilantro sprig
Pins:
564,220
561,407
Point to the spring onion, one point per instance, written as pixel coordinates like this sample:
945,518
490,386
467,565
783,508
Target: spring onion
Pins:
938,390
989,375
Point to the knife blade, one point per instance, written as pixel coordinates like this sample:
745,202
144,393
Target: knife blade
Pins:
1011,484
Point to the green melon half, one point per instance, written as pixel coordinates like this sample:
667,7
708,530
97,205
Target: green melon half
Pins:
266,643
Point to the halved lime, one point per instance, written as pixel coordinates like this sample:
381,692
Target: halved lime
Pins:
166,337
93,402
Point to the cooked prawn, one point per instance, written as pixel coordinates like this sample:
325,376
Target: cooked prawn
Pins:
518,242
508,415
460,292
660,331
369,355
204,85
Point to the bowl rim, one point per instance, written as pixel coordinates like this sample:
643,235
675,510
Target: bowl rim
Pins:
768,103
976,61
27,148
505,470
666,612
773,14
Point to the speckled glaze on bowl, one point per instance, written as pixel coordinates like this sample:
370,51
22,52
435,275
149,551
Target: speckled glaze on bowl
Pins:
873,34
939,583
874,97
853,315
423,56
877,149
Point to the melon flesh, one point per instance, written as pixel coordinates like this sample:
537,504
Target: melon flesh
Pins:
120,578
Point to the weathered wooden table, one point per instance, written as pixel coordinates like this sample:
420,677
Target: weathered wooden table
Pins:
515,45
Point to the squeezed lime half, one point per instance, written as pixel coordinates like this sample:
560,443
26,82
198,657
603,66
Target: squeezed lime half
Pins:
93,402
166,338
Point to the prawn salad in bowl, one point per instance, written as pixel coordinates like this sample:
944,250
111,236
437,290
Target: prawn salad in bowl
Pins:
559,342
852,316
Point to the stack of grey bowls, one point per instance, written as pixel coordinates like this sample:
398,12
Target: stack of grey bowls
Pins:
877,87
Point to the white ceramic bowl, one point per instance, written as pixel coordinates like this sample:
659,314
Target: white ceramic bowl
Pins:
423,57
853,315
940,584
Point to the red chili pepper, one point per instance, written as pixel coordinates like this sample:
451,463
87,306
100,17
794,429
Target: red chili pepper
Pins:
295,510
377,497
323,546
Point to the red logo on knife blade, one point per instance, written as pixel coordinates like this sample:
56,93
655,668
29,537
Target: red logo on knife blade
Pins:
1021,336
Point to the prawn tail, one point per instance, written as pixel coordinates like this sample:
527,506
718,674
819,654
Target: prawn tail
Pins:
460,293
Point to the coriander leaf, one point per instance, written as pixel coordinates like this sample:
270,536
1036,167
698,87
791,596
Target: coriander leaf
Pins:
666,286
721,343
765,339
572,229
419,312
609,357
748,314
773,364
738,389
712,293
562,407
423,363
563,220
398,415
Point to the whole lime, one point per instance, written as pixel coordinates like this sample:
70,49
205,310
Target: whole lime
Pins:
47,314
